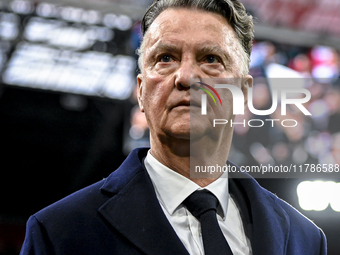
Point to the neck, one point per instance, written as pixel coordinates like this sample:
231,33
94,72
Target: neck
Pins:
185,157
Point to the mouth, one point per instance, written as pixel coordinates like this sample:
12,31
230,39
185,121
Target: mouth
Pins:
187,103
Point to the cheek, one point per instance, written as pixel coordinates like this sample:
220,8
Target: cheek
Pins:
228,100
227,103
155,94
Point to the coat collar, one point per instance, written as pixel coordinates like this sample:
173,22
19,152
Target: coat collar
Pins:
134,210
270,224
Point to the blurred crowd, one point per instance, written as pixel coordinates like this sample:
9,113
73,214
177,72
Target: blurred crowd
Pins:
316,137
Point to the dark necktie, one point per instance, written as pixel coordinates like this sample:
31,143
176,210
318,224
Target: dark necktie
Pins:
202,205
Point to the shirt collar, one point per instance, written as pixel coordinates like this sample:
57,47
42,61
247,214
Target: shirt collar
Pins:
172,188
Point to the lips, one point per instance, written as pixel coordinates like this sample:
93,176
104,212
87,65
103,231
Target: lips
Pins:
187,103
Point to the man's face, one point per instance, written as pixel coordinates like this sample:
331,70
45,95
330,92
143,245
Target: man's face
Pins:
182,45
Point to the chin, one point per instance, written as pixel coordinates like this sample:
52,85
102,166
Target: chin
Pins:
188,129
181,133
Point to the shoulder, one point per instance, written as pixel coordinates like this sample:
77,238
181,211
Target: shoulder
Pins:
60,227
299,222
85,201
75,224
88,200
305,237
296,218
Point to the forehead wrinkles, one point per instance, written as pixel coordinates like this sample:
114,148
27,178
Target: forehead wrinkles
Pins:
171,22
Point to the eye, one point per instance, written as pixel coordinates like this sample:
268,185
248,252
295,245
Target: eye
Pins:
166,59
211,59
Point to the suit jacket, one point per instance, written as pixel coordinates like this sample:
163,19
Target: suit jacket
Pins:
121,215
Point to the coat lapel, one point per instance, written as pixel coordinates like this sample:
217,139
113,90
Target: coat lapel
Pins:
270,223
135,212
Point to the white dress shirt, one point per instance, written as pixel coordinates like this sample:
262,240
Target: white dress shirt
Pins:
172,189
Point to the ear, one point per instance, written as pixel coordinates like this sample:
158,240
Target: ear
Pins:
247,82
140,91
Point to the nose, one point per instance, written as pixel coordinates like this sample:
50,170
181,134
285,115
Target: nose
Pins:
187,74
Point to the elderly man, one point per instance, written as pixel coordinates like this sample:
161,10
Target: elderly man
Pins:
152,204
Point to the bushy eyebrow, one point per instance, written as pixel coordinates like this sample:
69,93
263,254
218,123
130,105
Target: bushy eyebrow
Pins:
217,50
211,49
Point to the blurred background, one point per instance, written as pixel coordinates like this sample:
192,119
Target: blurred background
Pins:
68,114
